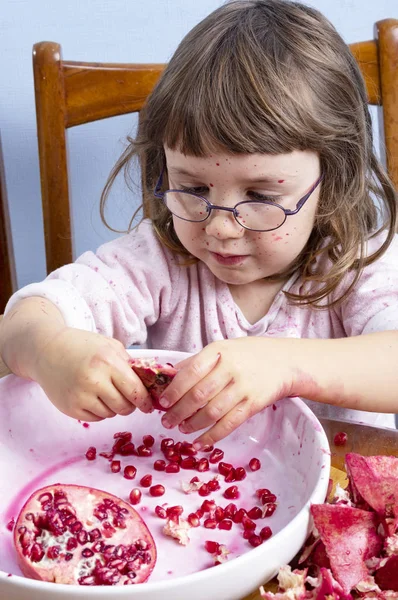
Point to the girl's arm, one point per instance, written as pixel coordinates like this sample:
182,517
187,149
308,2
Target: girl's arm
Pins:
85,375
229,381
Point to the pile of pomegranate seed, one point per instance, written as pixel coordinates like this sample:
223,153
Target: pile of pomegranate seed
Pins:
183,456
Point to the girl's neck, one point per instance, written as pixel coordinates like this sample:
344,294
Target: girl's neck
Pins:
255,299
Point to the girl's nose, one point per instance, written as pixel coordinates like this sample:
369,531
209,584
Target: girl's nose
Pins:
222,225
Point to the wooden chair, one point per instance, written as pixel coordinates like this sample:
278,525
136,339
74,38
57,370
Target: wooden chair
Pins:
7,266
71,93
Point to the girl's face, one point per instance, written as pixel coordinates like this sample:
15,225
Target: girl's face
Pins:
234,254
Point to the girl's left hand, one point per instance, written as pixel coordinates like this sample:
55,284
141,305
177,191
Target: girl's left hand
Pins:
226,383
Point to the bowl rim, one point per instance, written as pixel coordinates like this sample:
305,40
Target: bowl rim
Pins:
224,568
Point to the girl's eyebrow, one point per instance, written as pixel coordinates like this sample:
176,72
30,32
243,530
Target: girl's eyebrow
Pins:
274,179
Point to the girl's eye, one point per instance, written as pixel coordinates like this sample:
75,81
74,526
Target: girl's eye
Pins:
263,197
200,190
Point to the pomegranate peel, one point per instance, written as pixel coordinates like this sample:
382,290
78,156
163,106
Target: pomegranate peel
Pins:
73,534
350,538
154,376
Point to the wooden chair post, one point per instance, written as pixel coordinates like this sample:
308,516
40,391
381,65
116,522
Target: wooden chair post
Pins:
7,265
386,32
51,120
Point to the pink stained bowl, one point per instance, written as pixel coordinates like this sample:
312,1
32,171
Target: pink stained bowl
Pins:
40,446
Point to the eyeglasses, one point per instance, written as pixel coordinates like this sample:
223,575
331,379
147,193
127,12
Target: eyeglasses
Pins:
259,215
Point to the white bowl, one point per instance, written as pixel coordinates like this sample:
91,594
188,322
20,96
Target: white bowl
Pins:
40,446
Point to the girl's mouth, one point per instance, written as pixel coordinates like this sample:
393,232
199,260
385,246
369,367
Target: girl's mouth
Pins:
229,259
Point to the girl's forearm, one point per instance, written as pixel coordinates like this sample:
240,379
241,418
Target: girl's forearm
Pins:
357,372
24,332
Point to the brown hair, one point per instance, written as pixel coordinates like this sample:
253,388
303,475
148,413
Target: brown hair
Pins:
272,76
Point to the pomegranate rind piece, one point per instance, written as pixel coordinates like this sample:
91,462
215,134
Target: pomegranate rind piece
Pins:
325,586
154,376
350,538
374,483
82,503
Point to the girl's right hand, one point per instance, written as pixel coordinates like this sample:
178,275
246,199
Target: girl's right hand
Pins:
87,376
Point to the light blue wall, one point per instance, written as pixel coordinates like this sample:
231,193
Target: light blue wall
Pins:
98,30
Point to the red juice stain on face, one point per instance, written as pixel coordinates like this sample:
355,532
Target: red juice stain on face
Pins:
281,180
35,483
217,164
211,185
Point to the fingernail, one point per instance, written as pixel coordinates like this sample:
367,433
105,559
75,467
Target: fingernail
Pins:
164,402
185,427
198,445
166,423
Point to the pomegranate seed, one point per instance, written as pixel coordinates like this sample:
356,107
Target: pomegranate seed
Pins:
94,534
125,435
208,506
231,493
108,455
340,439
159,465
91,453
46,497
207,448
53,552
224,468
213,485
115,466
188,449
240,473
87,553
82,537
210,523
37,552
248,523
148,440
260,492
166,443
255,513
146,481
193,520
231,476
269,509
128,449
130,472
135,496
172,455
157,490
247,533
194,479
255,540
161,512
225,524
144,451
174,511
199,512
10,524
216,455
212,547
238,516
219,513
202,465
254,464
230,510
268,498
71,544
188,463
172,468
204,490
265,533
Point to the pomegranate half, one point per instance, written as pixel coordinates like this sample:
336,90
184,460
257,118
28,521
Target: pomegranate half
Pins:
79,535
154,376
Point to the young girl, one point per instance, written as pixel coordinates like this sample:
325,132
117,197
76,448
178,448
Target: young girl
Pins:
270,253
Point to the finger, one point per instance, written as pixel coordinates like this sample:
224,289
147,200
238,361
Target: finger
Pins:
100,409
231,421
199,396
200,366
89,416
131,387
116,401
215,410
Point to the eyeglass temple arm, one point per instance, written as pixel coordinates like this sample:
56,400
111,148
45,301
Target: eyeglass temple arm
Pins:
304,198
158,186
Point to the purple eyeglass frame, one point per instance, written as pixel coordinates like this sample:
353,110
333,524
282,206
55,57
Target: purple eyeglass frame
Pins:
161,195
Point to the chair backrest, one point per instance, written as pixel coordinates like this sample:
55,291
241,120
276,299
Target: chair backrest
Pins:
7,266
71,93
